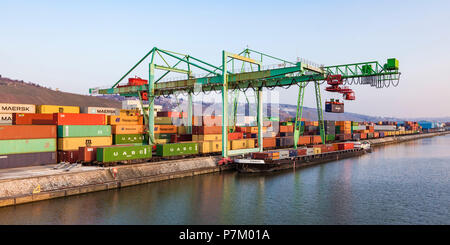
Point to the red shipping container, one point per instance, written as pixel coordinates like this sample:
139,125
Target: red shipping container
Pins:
301,152
137,81
363,135
13,132
68,156
345,146
265,155
269,142
32,118
323,148
330,148
235,136
173,138
89,154
185,137
79,119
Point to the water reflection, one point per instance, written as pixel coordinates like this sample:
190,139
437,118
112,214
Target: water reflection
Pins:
407,183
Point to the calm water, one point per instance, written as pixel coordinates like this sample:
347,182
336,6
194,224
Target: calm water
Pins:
407,183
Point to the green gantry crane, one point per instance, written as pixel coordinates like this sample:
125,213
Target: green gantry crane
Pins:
224,78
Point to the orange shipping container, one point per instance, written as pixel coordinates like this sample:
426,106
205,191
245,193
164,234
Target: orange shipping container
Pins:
13,132
128,120
165,129
269,142
127,129
304,140
206,130
286,129
316,139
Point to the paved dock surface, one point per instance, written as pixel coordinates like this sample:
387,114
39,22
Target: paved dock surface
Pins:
34,171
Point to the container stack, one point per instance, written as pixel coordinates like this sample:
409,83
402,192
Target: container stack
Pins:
208,138
343,130
165,129
286,135
330,130
269,136
77,130
27,145
7,110
127,129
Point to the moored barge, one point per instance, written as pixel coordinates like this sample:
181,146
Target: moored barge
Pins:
268,165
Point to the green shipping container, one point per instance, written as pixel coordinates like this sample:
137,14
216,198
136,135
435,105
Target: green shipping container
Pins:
287,123
84,131
129,138
176,149
27,146
330,137
163,121
122,153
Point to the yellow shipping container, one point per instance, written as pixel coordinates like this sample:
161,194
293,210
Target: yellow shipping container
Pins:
125,120
161,141
317,150
250,143
209,146
206,137
47,109
127,129
69,144
238,144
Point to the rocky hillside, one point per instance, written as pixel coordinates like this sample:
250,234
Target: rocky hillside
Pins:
16,91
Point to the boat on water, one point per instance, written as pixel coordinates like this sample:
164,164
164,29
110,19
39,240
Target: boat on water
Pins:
248,165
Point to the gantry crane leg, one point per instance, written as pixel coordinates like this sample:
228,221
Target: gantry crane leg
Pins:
319,111
299,113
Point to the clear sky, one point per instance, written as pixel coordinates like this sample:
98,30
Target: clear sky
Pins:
82,44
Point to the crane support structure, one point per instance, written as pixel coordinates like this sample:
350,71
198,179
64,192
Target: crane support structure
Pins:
225,78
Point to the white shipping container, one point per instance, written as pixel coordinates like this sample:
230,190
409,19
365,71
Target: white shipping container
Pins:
385,127
309,151
17,108
284,154
101,110
6,119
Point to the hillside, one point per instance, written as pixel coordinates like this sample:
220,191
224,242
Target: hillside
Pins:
14,91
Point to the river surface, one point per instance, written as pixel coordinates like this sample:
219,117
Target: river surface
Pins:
407,183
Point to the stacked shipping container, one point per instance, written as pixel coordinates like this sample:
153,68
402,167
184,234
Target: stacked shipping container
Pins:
27,145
